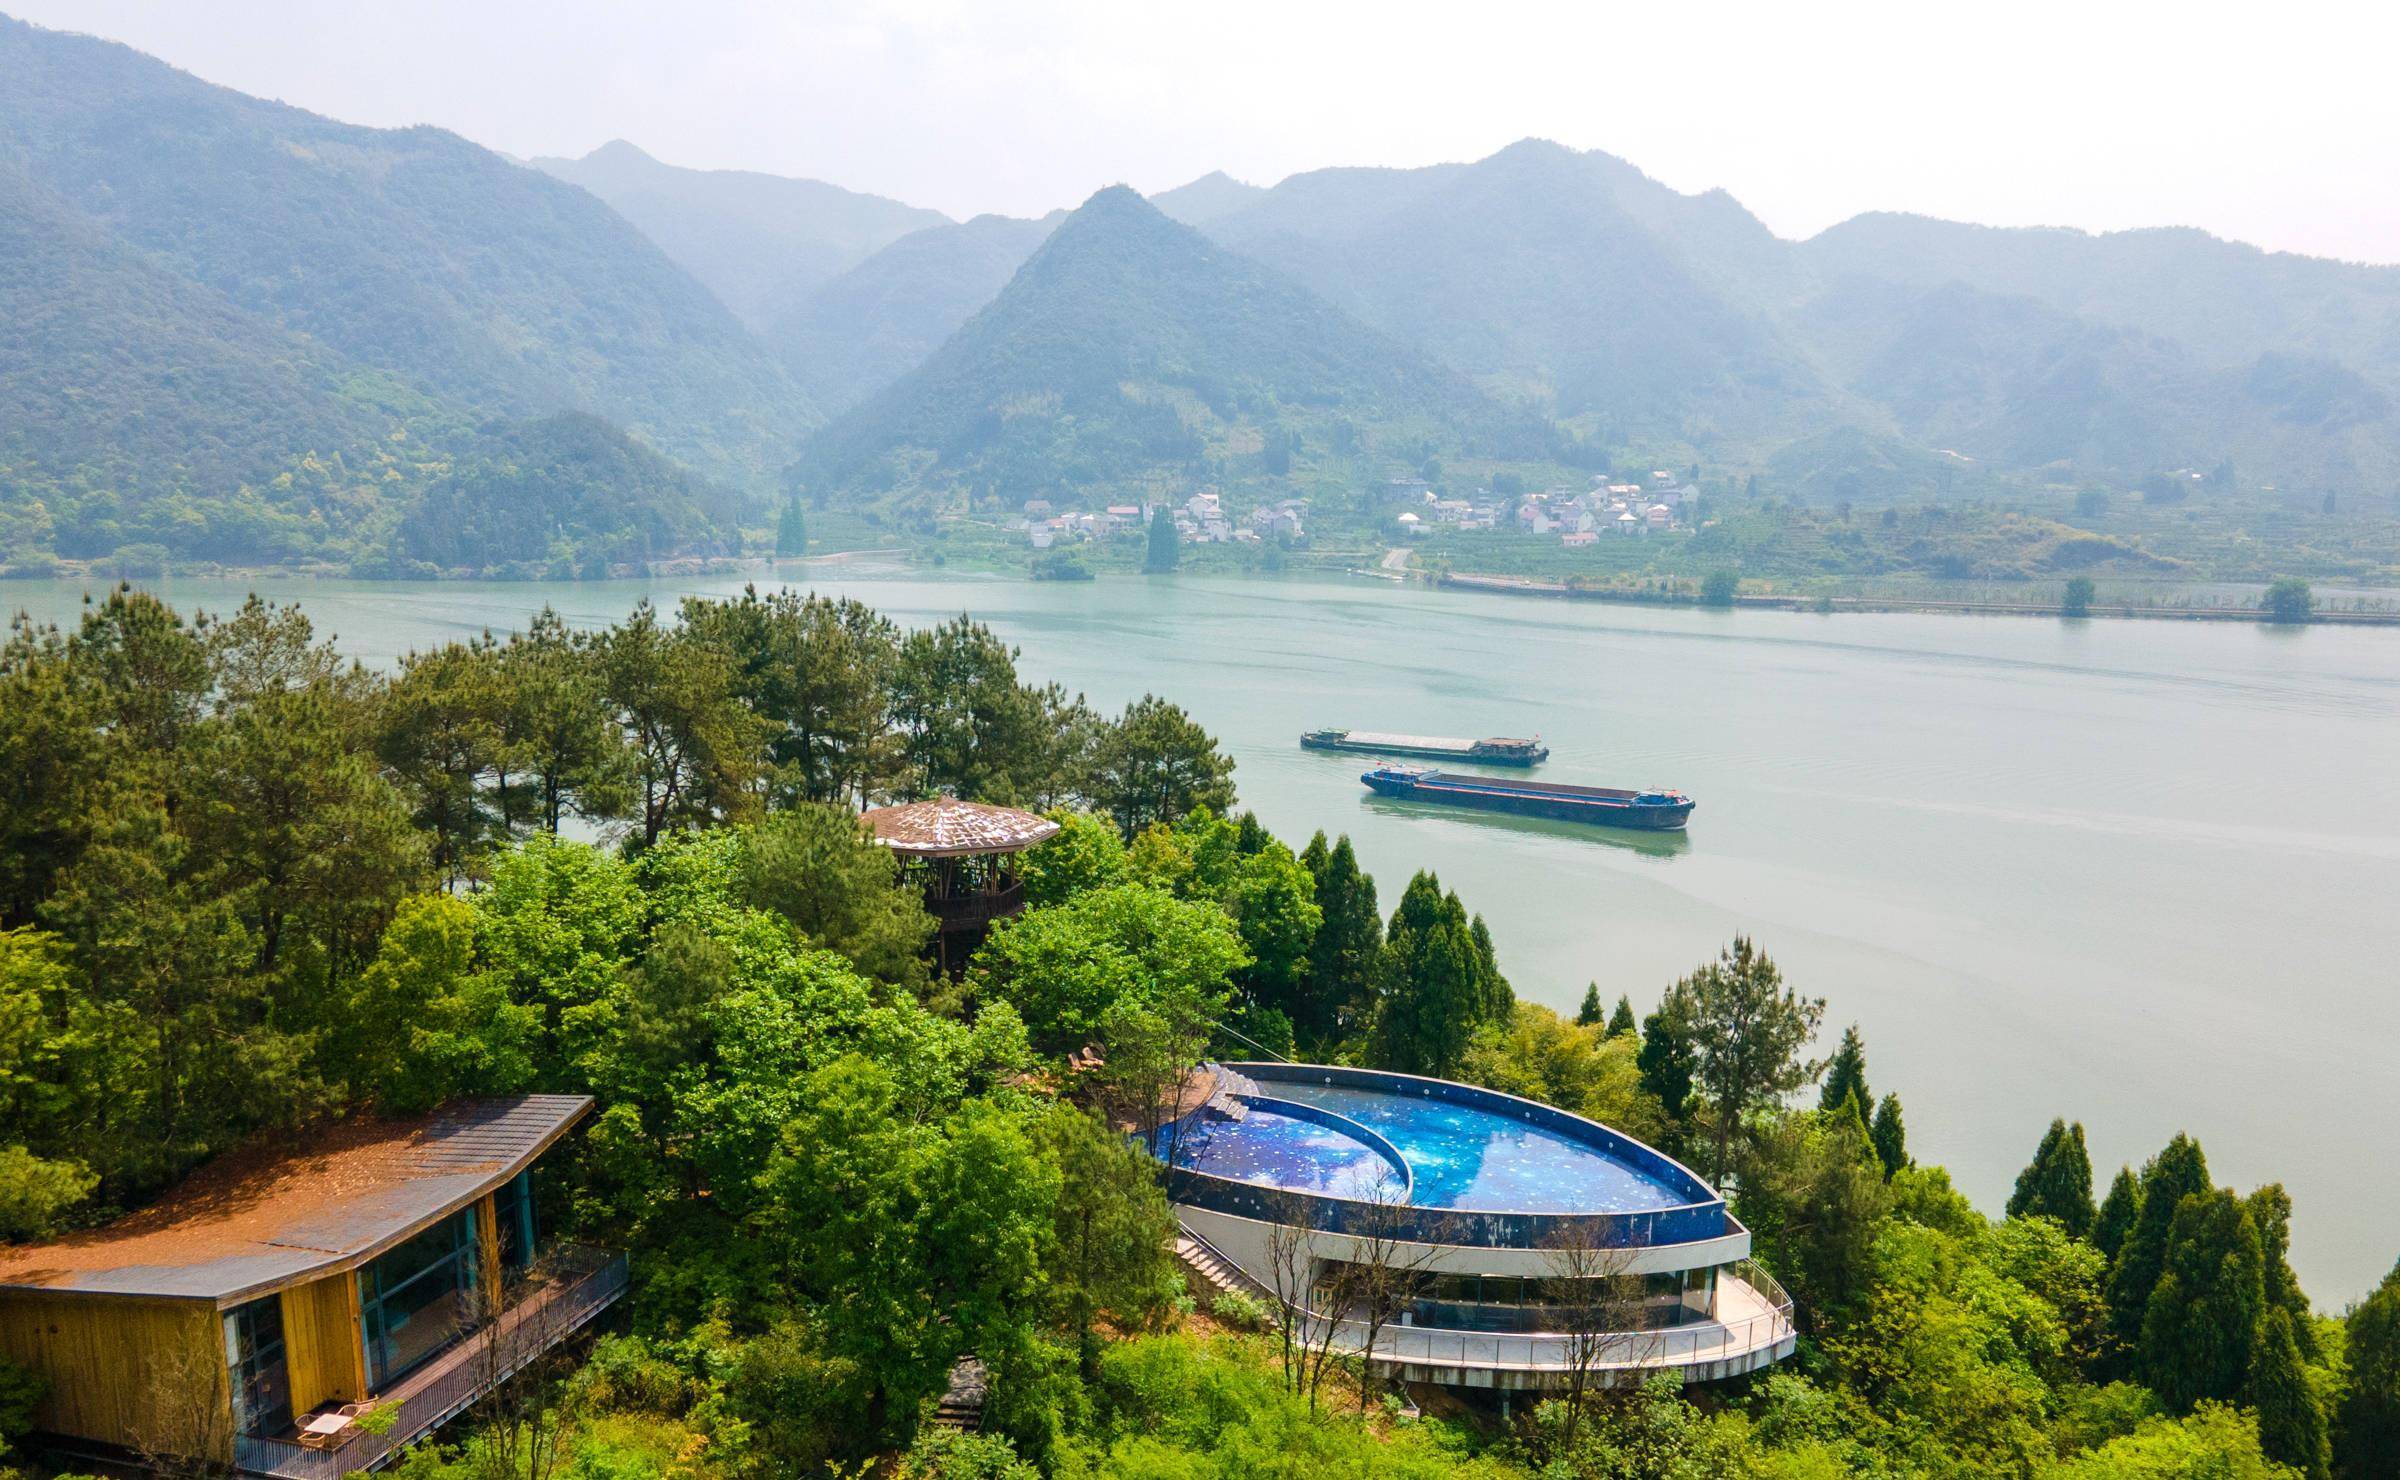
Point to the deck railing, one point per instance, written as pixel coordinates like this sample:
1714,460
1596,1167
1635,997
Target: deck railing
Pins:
574,1284
976,906
1757,1319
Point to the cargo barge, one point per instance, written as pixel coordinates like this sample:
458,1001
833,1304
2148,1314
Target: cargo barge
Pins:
1494,751
1608,806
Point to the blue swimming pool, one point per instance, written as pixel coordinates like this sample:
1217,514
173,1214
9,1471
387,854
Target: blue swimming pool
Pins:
1477,1160
1272,1149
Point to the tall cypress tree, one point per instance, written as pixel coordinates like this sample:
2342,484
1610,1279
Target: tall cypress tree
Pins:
1165,549
1435,983
1592,1014
2178,1172
1889,1137
2113,1224
1345,959
2271,1209
1847,1074
2058,1183
2202,1321
2368,1433
791,530
1620,1022
1495,999
2291,1427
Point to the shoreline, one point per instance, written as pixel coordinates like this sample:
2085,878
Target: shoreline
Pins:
1559,590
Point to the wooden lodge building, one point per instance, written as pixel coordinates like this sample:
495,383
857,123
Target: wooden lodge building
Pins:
378,1269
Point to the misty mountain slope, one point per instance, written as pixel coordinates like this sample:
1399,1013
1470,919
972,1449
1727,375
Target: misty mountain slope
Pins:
1130,346
1215,194
761,243
2014,383
2226,302
869,326
410,251
1525,271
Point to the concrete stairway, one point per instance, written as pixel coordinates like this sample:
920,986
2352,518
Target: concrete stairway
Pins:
962,1406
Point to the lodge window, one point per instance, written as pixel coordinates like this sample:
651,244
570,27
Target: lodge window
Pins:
513,1211
262,1385
1489,1302
419,1298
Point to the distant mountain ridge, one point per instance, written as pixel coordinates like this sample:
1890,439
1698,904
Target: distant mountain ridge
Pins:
1130,346
761,243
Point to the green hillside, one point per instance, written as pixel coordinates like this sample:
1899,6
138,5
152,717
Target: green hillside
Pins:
565,495
410,251
140,408
873,324
761,243
1132,350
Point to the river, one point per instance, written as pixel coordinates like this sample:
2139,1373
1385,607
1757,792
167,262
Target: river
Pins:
2141,874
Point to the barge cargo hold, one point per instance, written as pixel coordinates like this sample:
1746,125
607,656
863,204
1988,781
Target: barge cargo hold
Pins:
1608,806
1494,751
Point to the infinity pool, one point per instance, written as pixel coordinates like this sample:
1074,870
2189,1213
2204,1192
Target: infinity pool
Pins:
1459,1156
1277,1150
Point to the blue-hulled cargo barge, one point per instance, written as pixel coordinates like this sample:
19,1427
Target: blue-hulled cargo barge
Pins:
1608,806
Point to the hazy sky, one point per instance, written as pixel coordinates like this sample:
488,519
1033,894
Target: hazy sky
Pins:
2274,124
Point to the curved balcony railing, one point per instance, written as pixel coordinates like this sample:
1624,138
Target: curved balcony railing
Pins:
1752,1320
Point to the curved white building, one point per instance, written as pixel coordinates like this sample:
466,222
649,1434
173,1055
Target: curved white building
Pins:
1474,1238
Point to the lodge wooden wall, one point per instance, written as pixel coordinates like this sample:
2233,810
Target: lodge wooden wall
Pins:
145,1374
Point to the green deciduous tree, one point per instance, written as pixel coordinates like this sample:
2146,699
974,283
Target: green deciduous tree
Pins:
1110,1230
1065,966
2288,599
2058,1182
2077,603
1086,853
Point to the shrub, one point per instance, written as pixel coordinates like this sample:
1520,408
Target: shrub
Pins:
1243,1312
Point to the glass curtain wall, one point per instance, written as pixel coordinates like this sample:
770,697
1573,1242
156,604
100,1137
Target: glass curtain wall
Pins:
262,1384
419,1298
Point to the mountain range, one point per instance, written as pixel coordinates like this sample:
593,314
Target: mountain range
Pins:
239,331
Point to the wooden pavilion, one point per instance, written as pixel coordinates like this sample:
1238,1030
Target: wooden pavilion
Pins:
964,854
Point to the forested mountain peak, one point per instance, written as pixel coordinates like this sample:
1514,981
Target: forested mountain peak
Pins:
1129,345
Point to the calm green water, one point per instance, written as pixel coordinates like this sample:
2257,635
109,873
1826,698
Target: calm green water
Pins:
2142,874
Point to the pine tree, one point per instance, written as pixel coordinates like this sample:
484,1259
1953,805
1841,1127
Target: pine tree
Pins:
791,530
2058,1183
1621,1023
1889,1136
1165,550
2202,1321
2178,1172
1591,1014
2113,1224
2291,1427
2368,1434
1847,1074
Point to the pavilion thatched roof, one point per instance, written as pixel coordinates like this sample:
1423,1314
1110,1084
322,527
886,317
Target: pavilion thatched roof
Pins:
949,828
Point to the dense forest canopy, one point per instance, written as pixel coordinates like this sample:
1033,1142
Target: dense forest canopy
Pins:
246,886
